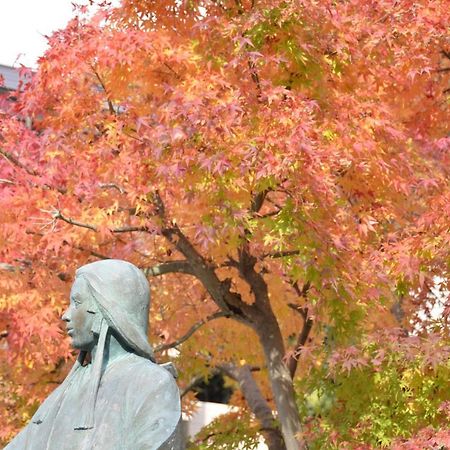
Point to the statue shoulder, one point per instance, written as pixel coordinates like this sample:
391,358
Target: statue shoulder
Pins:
145,369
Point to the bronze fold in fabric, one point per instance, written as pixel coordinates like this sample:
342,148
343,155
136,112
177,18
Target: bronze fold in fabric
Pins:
87,416
40,417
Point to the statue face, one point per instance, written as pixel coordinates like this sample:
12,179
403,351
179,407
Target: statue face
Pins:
80,316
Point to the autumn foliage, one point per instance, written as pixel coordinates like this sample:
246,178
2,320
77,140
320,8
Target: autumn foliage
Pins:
280,171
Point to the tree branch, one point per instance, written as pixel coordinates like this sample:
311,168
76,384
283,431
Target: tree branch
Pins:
303,291
56,214
258,200
93,252
191,331
196,381
166,64
306,329
129,229
255,77
239,6
181,266
246,261
203,269
10,268
269,214
112,186
281,254
251,64
301,341
13,160
110,105
258,286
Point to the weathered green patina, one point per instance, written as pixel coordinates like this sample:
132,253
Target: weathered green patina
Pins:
115,397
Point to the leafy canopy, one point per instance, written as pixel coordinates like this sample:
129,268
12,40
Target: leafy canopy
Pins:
312,136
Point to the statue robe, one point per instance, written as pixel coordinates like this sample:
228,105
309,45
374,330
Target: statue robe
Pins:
137,408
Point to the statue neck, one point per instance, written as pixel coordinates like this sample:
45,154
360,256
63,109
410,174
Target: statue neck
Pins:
114,349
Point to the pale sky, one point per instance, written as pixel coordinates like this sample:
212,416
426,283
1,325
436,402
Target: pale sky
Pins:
23,25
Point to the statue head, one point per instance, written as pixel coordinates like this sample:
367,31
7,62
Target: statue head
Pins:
116,294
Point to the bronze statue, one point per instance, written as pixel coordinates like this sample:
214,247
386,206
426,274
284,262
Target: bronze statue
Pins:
115,397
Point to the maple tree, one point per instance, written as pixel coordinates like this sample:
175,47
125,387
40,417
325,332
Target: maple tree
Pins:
279,170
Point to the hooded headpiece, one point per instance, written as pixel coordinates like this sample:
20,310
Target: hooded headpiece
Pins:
121,292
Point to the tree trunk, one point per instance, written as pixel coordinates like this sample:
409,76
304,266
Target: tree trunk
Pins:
257,404
282,387
259,316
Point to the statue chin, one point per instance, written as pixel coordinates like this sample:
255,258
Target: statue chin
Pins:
86,346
